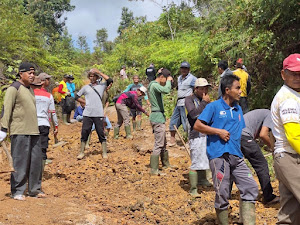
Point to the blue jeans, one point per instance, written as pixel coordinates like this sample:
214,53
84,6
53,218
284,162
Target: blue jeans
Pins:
178,118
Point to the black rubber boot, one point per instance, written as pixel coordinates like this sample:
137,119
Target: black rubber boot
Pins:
202,181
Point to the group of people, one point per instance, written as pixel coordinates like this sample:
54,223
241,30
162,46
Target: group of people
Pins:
221,133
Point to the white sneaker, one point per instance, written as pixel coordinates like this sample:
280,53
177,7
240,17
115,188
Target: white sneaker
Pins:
19,197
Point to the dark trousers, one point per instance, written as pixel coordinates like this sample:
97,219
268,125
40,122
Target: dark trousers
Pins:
87,124
252,152
44,139
243,102
27,159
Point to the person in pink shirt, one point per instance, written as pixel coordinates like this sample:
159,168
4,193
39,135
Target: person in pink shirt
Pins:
128,99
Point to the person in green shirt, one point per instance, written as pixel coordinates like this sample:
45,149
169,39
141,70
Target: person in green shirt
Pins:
161,85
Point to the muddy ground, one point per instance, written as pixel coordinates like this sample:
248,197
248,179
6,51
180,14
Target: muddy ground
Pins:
117,190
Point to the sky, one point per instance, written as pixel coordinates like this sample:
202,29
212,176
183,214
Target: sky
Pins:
92,15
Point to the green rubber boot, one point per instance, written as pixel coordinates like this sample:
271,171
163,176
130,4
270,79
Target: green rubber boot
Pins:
139,125
128,132
193,176
202,181
104,150
134,126
165,160
222,216
116,132
154,161
65,120
87,144
248,212
81,153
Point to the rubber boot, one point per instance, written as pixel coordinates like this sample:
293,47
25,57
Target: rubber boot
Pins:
69,118
154,161
65,121
87,144
240,211
222,216
165,160
139,125
202,181
116,132
81,153
134,126
248,212
193,176
128,132
104,150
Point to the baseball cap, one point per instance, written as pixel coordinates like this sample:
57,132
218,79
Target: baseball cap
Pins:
240,60
143,89
66,76
201,82
185,65
71,77
25,66
292,62
44,76
37,81
166,72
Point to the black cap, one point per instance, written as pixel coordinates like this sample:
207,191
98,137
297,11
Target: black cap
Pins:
71,77
166,72
66,76
25,66
185,65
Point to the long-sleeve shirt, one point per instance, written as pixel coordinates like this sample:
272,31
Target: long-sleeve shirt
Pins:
194,107
45,107
130,99
71,88
19,111
156,99
78,111
134,87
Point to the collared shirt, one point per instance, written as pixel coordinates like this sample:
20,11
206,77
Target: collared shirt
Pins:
219,114
185,87
156,92
285,108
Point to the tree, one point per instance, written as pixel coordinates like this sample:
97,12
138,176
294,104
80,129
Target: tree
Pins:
101,38
82,43
49,14
126,19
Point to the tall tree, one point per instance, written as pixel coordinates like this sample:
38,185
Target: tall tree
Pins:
101,38
82,43
126,19
49,14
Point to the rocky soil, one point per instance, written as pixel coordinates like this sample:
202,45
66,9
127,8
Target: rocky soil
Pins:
117,190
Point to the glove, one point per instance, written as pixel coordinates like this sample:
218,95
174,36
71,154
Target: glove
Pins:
2,135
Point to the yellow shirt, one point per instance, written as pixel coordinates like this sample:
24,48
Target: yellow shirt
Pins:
244,76
64,89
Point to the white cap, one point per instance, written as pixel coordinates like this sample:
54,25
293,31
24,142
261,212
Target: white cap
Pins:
201,82
143,89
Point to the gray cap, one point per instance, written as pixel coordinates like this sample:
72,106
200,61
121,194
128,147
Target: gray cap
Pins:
44,76
185,65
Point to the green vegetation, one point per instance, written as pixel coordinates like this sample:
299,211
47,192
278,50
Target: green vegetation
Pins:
262,32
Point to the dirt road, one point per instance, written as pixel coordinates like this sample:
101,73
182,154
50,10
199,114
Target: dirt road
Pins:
118,190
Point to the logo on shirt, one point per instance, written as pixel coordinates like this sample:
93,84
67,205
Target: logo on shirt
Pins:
222,114
289,111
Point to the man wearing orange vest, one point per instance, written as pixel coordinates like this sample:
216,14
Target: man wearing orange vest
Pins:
245,84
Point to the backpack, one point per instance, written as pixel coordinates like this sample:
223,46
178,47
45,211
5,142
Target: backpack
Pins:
69,103
115,98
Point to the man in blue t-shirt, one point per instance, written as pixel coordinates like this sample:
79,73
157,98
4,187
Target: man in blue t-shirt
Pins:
223,121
